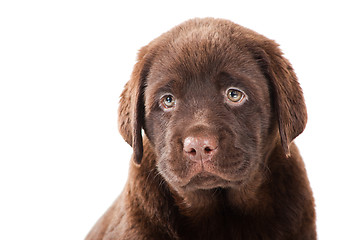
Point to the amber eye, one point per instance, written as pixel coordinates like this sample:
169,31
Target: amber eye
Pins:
235,95
168,101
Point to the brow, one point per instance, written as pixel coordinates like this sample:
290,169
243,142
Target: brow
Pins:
166,87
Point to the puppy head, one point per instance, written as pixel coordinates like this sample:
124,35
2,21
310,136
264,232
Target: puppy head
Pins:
210,95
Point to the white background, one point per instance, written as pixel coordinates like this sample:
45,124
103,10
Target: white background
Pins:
63,65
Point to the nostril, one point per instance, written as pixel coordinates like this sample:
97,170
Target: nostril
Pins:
192,152
207,150
210,150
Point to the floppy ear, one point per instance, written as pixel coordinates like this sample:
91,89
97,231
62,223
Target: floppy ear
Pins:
288,97
131,107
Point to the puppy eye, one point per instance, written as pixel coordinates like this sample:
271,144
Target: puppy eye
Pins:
168,101
235,95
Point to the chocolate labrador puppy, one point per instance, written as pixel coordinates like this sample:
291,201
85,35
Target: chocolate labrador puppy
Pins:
220,107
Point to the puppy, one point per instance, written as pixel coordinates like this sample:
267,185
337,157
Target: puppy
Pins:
220,107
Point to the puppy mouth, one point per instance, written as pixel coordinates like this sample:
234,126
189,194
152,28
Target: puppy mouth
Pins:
205,180
205,175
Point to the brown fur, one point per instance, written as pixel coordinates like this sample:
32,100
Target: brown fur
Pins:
261,190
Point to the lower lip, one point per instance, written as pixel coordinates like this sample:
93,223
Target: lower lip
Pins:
206,180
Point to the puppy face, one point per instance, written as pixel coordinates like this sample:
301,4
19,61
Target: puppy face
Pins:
213,98
221,103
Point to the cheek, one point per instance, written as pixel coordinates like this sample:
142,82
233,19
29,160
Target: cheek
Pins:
250,126
258,127
156,127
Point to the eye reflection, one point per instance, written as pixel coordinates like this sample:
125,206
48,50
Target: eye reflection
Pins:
168,101
235,95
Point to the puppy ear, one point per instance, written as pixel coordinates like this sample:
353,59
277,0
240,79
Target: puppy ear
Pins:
131,107
288,98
